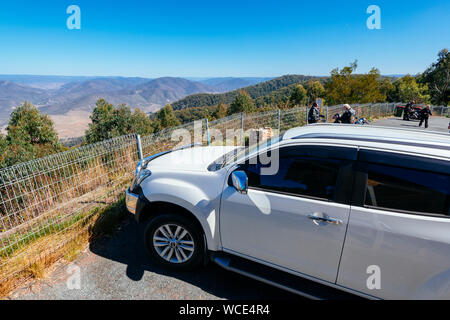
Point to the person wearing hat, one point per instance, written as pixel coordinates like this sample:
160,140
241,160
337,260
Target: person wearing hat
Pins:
348,114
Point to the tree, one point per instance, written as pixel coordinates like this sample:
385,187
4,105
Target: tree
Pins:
299,96
388,89
141,123
108,122
167,117
30,135
407,89
437,77
102,122
221,111
196,113
28,125
315,90
3,144
242,103
346,87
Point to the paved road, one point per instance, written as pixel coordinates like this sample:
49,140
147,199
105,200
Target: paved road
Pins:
435,123
118,268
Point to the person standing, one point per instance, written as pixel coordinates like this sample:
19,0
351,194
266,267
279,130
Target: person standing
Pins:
314,114
408,109
425,114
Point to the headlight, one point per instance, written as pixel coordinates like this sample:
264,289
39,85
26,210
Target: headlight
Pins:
141,176
144,174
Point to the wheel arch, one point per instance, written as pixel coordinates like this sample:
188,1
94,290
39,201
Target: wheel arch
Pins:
153,209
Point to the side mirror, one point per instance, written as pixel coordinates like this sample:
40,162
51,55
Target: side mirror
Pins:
240,181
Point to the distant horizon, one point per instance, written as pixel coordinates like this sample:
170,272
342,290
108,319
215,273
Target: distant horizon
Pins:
180,77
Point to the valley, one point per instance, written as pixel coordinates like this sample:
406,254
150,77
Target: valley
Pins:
70,100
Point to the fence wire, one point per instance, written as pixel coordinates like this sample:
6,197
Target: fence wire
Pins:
46,202
50,195
171,138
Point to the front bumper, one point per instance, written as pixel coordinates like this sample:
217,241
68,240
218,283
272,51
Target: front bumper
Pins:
131,201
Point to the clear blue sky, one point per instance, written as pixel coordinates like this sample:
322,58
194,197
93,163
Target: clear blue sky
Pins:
219,38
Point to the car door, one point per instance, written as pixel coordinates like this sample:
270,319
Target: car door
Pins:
398,240
278,221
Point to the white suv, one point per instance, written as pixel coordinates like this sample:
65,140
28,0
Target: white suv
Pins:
362,209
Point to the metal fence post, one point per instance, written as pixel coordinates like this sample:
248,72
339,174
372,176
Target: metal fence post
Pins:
306,115
242,129
327,114
279,120
139,146
208,136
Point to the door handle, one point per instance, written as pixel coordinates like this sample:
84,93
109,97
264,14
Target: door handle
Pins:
326,220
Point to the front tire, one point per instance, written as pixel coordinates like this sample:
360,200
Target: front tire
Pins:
174,241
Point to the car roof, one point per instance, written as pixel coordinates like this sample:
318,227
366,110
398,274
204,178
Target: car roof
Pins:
401,139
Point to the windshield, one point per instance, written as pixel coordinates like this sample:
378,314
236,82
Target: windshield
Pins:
241,152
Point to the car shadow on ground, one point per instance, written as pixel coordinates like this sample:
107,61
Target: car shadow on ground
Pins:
409,124
126,248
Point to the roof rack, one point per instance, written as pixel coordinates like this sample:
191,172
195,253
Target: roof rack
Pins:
370,138
381,127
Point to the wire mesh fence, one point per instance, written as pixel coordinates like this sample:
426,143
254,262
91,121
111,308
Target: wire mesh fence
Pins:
237,129
226,131
171,138
45,203
369,111
441,111
51,197
293,118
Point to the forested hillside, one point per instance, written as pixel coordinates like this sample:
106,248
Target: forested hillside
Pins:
260,90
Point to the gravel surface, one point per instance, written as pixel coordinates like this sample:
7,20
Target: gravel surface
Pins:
118,268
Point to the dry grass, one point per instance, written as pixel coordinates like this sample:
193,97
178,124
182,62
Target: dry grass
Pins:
7,286
52,214
75,247
34,260
37,270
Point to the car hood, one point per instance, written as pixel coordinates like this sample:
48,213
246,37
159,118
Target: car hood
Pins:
191,159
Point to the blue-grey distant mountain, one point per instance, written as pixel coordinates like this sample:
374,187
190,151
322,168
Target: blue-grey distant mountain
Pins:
100,85
148,95
59,95
166,90
13,94
81,94
43,82
231,83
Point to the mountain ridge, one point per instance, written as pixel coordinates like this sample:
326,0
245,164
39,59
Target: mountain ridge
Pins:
56,95
255,91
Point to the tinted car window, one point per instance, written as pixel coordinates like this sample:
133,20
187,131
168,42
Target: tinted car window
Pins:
407,190
298,175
